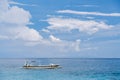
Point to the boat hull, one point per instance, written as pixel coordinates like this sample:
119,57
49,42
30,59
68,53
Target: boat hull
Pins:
42,67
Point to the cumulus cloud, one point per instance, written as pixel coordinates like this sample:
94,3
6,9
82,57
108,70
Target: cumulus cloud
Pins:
89,13
14,26
57,44
15,15
65,45
26,34
3,5
68,24
13,23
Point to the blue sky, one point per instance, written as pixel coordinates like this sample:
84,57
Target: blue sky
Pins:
62,28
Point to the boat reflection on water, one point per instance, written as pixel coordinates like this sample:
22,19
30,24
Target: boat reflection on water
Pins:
34,65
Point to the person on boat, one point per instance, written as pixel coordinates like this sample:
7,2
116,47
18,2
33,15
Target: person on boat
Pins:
26,63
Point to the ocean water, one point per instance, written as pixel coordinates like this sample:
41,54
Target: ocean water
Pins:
72,69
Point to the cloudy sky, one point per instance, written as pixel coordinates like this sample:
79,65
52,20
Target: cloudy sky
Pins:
59,28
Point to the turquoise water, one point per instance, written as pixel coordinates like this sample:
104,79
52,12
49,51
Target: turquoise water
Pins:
72,69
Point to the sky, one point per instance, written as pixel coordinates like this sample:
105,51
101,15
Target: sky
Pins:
59,29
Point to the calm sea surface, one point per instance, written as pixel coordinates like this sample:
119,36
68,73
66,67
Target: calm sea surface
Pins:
72,69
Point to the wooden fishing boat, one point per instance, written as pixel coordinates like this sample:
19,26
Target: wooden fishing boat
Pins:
50,66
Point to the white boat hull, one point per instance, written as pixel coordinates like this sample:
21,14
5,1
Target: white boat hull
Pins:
42,67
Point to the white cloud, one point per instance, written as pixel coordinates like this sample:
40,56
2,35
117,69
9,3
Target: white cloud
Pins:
26,34
54,39
87,6
16,3
13,23
4,5
15,15
13,26
57,44
90,17
65,46
45,30
89,13
114,32
68,24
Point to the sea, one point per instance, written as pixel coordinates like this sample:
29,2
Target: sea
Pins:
72,69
